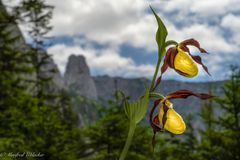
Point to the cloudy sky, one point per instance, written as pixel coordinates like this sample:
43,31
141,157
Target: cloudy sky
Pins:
117,37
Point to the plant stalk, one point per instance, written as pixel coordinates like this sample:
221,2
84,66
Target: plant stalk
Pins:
155,73
168,43
132,127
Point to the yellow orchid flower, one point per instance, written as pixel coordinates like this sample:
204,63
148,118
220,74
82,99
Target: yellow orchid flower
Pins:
184,64
167,118
182,61
174,122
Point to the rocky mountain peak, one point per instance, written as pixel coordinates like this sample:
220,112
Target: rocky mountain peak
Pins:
77,65
77,77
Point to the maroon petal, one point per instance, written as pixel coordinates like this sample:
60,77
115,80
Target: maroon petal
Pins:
172,57
198,59
154,140
195,43
185,48
156,102
171,52
154,123
158,81
187,93
166,61
165,109
154,126
156,120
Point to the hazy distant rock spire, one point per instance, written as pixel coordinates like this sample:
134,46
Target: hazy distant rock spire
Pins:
77,77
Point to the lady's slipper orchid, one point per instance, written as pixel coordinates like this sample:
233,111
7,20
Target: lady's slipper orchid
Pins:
174,122
167,118
182,61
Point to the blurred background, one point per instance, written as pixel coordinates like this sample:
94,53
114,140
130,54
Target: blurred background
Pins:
62,63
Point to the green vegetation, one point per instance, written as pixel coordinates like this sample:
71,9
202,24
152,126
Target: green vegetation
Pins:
107,136
29,121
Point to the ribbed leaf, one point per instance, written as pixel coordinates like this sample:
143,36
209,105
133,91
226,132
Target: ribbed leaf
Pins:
160,35
136,111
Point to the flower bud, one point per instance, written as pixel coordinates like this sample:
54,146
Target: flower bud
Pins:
184,64
174,122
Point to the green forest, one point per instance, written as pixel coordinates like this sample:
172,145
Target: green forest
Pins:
36,120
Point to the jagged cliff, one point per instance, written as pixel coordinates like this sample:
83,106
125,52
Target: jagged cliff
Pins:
77,78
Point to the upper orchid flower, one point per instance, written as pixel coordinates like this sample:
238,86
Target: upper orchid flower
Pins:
182,61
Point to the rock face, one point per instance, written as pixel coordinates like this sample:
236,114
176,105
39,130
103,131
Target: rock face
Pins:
106,86
12,27
49,69
77,78
78,82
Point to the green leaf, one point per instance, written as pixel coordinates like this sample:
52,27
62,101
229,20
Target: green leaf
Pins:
136,111
160,35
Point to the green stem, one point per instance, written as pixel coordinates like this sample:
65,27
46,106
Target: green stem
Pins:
132,127
156,95
168,43
155,73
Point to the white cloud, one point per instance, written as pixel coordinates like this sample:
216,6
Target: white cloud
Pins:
105,61
99,20
201,8
210,7
209,37
232,22
118,22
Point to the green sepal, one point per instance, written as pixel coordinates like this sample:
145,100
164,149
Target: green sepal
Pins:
136,111
160,35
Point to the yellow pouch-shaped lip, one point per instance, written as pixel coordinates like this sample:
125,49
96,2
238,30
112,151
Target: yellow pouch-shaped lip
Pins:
184,64
174,122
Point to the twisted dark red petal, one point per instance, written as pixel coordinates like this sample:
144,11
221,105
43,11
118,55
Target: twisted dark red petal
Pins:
164,118
154,126
185,48
172,57
166,60
195,43
187,93
171,52
198,59
156,120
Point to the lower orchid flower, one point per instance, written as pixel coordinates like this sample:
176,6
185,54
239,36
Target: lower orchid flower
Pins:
167,118
170,119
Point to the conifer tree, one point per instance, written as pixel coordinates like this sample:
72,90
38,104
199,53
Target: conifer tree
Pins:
26,127
220,137
228,137
35,15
